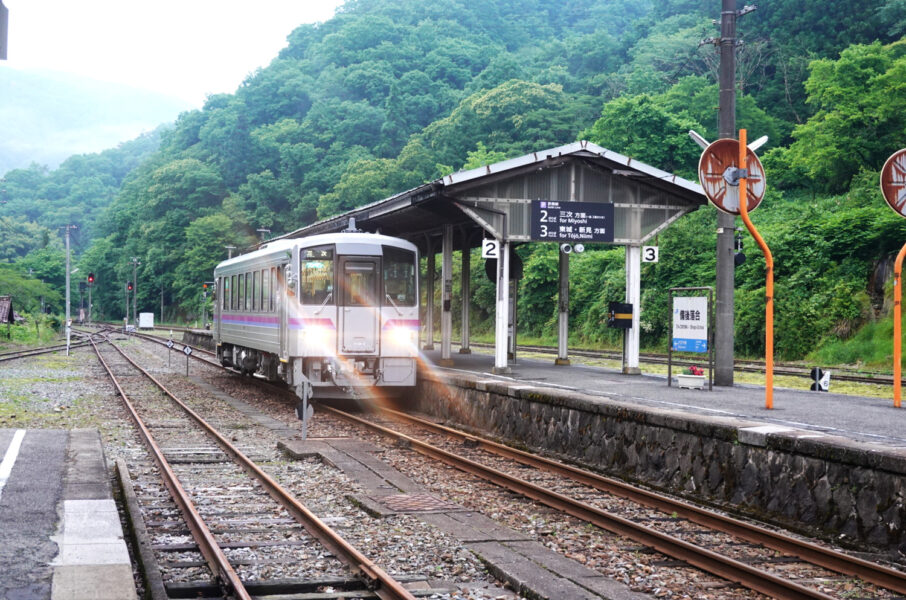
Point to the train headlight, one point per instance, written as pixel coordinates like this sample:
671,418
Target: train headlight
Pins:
404,336
317,335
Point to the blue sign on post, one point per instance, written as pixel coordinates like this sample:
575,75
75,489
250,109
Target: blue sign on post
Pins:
572,221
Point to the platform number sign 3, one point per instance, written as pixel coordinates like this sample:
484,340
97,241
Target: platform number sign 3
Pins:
490,248
649,254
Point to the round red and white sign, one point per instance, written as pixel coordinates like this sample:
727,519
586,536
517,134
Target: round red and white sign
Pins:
893,182
716,169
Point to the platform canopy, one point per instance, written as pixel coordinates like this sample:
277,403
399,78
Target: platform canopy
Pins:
645,199
579,192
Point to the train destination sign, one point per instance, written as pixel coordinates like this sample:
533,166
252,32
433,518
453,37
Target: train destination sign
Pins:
572,221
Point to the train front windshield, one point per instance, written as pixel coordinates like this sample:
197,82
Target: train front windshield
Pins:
399,277
316,275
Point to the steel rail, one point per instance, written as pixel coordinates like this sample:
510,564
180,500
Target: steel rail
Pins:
214,556
711,562
375,578
880,575
163,342
36,351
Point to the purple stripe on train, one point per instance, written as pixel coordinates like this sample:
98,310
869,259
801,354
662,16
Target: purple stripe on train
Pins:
302,323
402,323
253,320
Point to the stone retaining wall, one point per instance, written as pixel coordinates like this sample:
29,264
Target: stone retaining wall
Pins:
200,338
843,490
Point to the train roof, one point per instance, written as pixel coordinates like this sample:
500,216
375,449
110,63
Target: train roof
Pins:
343,237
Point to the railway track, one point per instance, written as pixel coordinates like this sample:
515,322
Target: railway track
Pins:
761,559
5,356
759,553
242,522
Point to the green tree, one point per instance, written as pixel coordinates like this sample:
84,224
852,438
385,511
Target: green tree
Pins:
641,128
860,116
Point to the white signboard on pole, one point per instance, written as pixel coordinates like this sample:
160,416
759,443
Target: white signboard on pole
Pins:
690,324
490,248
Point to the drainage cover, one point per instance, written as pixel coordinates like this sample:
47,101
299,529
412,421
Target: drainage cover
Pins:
417,503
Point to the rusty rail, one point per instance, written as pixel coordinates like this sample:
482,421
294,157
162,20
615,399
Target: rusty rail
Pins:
216,559
827,558
711,562
375,578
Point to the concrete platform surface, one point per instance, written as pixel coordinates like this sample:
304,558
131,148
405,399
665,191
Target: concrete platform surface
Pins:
60,533
858,418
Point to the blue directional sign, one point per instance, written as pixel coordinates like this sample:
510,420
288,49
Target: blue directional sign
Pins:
572,221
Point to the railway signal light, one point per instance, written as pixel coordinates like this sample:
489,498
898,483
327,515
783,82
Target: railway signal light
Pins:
129,286
90,278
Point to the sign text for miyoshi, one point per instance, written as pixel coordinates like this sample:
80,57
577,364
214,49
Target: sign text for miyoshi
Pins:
572,221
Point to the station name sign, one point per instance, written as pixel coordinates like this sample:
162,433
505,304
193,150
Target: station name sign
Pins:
572,221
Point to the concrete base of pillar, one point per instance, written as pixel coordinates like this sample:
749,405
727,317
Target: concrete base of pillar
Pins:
465,351
428,347
632,371
445,362
561,361
500,370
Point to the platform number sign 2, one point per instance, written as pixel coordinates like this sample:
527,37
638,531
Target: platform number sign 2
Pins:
649,254
490,248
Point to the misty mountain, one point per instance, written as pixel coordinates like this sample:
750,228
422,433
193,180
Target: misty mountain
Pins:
46,116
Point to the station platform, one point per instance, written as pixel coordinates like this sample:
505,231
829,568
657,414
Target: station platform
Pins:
60,533
857,418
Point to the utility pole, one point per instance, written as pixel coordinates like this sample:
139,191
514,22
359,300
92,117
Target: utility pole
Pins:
67,323
230,250
135,264
724,335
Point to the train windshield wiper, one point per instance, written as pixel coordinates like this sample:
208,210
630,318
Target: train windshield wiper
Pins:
323,304
394,304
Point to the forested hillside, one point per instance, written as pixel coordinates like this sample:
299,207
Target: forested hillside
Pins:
390,94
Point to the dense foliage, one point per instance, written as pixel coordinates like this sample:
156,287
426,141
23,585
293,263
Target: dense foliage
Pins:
390,94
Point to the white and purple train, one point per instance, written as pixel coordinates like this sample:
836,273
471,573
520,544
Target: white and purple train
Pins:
332,315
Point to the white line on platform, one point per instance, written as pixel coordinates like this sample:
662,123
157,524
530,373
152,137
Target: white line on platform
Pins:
9,459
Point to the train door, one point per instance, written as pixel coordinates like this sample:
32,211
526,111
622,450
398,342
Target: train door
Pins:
359,304
219,295
283,312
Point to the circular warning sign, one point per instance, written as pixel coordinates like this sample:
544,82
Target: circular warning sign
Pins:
893,182
717,173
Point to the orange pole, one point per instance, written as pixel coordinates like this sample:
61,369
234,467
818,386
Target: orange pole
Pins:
769,278
897,327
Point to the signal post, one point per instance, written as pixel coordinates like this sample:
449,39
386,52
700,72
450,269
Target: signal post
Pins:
893,187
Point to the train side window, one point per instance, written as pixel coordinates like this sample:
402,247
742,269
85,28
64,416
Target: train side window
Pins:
265,290
399,277
273,289
233,293
316,266
248,291
255,286
225,294
242,282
